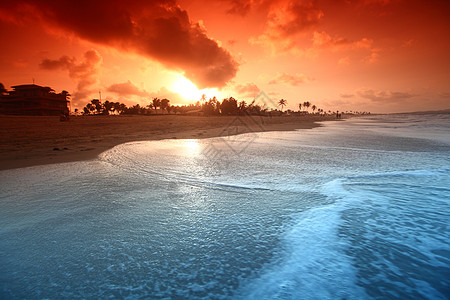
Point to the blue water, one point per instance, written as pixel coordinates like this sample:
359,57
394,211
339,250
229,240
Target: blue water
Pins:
357,209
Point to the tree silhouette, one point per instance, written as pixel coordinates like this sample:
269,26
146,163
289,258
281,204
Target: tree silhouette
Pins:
117,107
66,94
306,104
229,106
156,103
107,107
212,107
97,106
282,103
164,103
2,89
89,109
242,106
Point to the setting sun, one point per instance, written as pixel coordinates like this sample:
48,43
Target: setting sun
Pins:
190,92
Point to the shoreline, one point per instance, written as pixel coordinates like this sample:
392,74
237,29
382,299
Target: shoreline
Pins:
27,141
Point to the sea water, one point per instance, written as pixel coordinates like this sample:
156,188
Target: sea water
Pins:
355,209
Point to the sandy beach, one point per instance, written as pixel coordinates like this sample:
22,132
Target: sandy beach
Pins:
29,141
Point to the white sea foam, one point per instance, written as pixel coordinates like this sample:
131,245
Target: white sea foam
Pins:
312,263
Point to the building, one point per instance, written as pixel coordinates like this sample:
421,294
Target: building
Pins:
32,99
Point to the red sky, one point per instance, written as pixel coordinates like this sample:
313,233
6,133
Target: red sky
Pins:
364,55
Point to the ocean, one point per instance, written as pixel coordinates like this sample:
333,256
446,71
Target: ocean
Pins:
354,209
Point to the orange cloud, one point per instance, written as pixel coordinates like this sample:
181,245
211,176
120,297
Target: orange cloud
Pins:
247,90
126,89
347,95
286,19
384,96
157,29
289,79
239,7
84,73
128,92
324,40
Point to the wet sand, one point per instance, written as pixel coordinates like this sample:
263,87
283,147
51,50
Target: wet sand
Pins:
28,141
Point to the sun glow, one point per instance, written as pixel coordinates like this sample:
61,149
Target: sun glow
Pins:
190,92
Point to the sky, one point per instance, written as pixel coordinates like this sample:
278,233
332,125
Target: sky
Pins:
349,55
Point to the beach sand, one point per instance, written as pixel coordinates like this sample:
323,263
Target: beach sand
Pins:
28,141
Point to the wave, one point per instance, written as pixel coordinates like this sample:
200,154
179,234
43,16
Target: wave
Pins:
311,263
374,230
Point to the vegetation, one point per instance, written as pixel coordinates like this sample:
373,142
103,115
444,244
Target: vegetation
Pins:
2,89
282,103
228,106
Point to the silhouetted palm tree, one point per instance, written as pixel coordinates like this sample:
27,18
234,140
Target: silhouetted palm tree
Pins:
156,103
299,107
306,104
242,106
282,103
313,108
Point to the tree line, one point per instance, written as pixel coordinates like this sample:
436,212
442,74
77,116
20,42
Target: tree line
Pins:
228,106
156,106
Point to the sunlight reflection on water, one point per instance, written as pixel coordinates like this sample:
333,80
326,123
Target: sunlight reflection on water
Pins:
190,147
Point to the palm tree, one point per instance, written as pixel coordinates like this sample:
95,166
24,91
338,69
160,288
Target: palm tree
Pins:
282,103
156,103
313,108
242,106
150,106
306,104
299,107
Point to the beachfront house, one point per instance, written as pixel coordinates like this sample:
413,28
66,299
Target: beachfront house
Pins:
32,99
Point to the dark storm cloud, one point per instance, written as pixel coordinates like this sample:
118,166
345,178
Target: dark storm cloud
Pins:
158,29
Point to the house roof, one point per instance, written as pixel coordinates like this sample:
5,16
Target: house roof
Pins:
32,87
